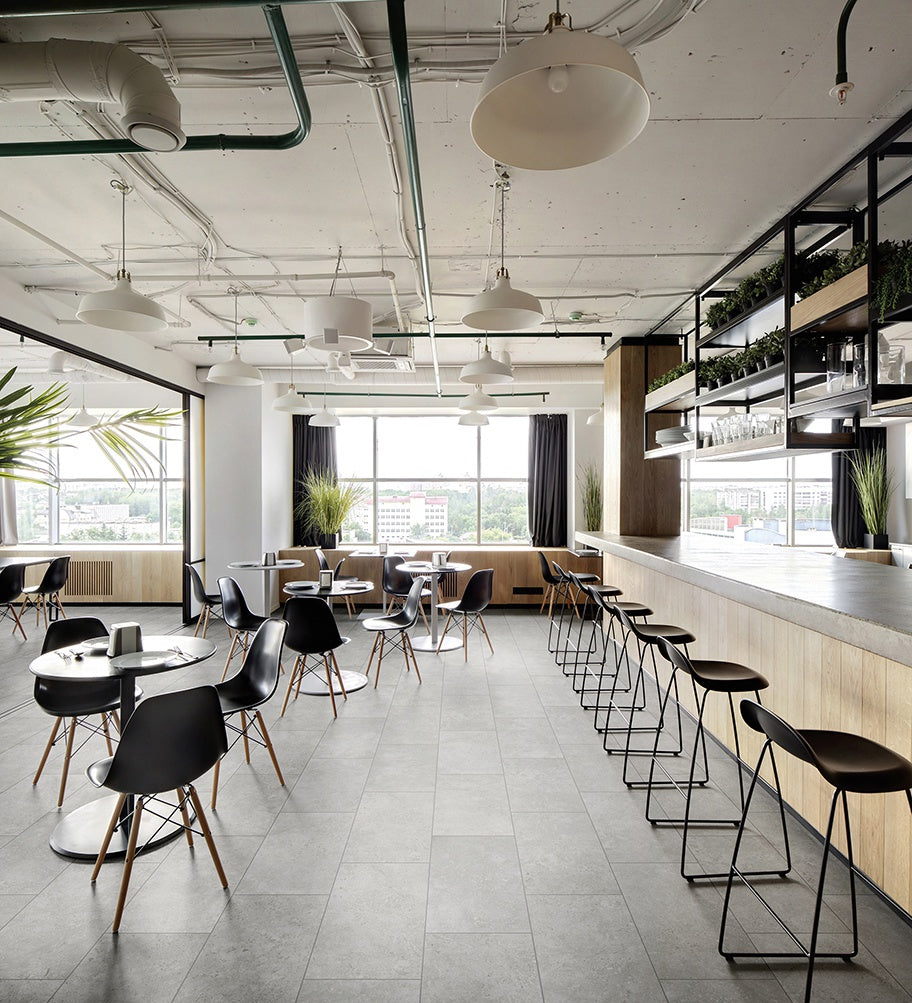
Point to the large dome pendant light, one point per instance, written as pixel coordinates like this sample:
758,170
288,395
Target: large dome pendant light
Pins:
486,369
235,372
503,308
340,323
122,308
564,99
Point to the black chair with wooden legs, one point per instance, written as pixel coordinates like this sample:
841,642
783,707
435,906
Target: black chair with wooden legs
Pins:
397,585
169,741
72,703
248,689
211,604
551,581
647,636
312,634
473,602
12,581
46,594
337,576
850,763
711,676
396,625
239,618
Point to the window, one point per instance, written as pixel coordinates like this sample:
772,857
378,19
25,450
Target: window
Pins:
784,501
429,480
93,505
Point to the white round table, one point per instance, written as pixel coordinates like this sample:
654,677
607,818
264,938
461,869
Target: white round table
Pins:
430,642
266,570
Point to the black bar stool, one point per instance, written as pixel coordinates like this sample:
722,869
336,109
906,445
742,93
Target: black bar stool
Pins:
849,763
591,614
609,606
713,677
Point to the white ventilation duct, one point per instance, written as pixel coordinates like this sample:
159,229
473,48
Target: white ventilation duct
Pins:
95,71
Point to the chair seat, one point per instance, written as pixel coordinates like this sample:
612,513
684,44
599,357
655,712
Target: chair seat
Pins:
651,632
590,578
858,764
727,677
425,594
98,772
394,622
236,694
252,621
605,590
79,699
634,608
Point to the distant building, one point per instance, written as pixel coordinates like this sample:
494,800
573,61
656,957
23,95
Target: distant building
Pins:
398,514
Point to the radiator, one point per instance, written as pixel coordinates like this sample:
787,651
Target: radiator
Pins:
90,579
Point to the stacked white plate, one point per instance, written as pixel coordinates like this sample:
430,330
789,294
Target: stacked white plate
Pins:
672,436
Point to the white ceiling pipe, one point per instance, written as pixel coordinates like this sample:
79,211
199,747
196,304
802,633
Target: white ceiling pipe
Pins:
260,276
525,376
96,71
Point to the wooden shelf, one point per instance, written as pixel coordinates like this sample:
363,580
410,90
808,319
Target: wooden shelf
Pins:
758,386
676,449
675,396
841,405
839,307
773,446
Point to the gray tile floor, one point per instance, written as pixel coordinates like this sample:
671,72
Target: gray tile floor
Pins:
463,839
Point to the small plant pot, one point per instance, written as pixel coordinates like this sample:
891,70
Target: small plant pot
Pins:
877,541
329,541
770,360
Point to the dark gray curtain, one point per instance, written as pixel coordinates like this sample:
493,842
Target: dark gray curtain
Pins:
845,516
313,448
548,480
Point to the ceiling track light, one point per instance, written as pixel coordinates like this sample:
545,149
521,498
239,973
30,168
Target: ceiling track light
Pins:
235,372
503,308
122,308
564,99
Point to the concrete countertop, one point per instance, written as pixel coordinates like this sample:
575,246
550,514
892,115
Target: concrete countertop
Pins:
863,604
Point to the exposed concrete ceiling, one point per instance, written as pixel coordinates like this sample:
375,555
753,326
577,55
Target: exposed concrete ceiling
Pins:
742,126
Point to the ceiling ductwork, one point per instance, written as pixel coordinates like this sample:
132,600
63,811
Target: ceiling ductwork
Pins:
61,69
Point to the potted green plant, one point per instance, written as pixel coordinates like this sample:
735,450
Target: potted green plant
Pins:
895,280
326,503
591,490
771,346
874,484
708,373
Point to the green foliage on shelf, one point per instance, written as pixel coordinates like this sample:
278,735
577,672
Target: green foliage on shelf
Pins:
771,345
591,490
680,370
753,289
895,278
874,483
326,502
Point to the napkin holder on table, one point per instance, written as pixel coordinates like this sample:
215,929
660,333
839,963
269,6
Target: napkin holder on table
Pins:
125,639
326,579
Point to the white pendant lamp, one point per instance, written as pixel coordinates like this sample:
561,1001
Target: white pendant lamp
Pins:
564,99
235,372
122,308
291,401
473,418
478,400
502,308
82,418
324,418
486,369
338,323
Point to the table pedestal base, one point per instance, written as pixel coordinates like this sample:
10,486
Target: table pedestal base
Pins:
314,683
426,643
80,834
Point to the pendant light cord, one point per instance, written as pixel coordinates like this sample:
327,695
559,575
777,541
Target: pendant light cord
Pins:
120,185
501,227
336,275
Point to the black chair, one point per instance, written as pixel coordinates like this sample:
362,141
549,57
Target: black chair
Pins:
211,604
475,598
76,700
239,619
850,763
12,580
397,625
312,634
712,676
248,689
47,591
397,584
324,566
169,741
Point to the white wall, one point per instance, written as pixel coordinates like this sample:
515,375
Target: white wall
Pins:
275,478
899,457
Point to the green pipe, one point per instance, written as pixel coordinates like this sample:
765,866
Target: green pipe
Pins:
56,7
281,141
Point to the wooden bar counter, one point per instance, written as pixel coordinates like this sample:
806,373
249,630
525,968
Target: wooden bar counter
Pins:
834,638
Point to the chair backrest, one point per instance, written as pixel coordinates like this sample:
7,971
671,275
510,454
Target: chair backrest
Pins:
234,606
12,578
262,663
197,585
321,559
412,605
561,574
677,657
338,567
546,570
63,633
478,591
395,582
169,741
54,579
312,627
776,730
